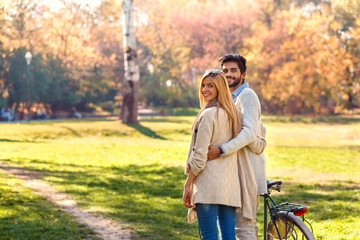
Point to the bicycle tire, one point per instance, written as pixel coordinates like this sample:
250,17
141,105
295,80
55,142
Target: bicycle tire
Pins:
303,232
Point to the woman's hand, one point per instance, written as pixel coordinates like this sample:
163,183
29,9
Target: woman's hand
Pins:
188,190
187,195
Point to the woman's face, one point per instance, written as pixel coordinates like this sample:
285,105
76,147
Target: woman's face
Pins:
208,89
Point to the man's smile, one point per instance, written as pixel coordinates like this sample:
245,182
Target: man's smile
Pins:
230,79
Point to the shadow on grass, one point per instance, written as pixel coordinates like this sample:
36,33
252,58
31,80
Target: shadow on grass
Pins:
75,133
24,215
18,141
149,196
9,140
146,131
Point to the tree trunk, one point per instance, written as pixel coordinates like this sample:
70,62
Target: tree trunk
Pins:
132,74
129,104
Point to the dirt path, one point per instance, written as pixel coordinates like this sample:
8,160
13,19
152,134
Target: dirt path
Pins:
104,228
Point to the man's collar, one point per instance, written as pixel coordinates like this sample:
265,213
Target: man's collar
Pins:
236,93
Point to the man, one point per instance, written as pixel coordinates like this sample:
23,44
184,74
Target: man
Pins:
234,67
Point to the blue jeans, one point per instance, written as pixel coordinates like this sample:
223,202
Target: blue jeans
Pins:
210,215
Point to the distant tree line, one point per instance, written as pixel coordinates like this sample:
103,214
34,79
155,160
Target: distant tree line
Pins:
303,56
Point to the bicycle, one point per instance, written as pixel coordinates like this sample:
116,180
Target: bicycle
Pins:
286,220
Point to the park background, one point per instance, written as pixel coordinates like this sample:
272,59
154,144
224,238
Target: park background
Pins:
303,62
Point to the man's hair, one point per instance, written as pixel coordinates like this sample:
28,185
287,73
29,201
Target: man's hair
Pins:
240,60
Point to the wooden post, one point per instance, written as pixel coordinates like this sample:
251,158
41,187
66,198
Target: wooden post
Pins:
132,73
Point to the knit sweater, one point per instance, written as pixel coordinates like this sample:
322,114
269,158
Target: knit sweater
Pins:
217,181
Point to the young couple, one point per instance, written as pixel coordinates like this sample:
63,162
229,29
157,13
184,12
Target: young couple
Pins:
225,166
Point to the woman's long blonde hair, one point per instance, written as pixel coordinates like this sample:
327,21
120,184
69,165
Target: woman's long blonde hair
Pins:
224,99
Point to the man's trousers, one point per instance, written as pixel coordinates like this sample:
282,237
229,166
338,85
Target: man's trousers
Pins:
246,229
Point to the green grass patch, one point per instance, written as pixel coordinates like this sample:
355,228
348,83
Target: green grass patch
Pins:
24,215
134,173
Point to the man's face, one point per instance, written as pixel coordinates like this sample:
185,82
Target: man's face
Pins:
233,74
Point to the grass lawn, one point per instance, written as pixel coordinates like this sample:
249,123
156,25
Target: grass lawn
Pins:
24,215
134,173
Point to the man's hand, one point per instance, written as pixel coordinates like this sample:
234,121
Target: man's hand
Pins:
213,152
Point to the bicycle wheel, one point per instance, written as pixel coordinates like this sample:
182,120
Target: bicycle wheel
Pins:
295,229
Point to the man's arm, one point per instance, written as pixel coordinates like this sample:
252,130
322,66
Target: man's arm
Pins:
248,134
251,117
258,146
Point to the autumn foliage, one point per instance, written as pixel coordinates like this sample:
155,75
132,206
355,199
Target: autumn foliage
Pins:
303,56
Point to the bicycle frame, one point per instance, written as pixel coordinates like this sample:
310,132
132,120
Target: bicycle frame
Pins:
267,208
287,212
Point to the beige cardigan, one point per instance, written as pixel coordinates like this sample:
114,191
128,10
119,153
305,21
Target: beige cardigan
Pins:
218,181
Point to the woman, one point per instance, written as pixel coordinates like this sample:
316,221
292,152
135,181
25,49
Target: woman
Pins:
212,189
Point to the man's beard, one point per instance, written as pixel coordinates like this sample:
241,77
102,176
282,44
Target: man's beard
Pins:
235,83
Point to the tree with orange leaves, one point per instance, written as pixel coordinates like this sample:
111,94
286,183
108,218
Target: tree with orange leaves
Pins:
300,64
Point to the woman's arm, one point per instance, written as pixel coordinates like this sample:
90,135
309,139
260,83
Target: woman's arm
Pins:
197,160
198,157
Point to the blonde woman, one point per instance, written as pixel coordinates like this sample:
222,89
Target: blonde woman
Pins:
212,189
